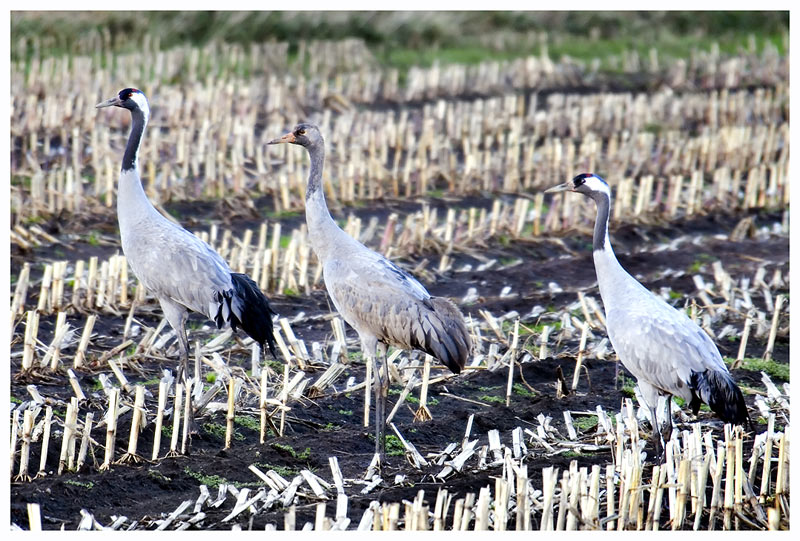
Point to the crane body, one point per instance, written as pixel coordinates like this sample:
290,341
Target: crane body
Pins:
384,304
183,272
666,352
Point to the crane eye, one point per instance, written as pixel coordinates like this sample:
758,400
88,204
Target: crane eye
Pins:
300,132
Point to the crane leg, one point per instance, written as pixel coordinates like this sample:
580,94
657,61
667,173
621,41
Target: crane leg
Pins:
656,437
183,376
381,384
666,430
177,316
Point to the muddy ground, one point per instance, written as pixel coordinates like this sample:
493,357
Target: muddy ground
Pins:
331,425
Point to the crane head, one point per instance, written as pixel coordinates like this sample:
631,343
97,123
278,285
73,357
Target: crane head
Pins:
127,98
585,183
303,134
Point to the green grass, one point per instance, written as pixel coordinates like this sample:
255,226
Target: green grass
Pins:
402,40
345,412
681,403
248,422
283,471
88,485
628,386
279,215
15,400
276,366
218,430
492,398
412,399
394,447
772,367
700,260
585,422
304,455
507,327
523,391
158,476
93,238
214,481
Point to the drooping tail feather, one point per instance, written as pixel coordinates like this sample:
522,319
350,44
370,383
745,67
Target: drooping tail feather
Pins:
450,341
251,311
717,389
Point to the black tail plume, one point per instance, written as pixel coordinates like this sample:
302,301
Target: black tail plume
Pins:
717,389
251,311
447,339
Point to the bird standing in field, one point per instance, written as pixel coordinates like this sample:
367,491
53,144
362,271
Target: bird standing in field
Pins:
182,271
385,305
665,350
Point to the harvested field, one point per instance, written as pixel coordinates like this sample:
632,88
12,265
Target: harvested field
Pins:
442,169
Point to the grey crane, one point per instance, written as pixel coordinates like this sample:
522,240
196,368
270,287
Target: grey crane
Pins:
665,350
182,271
384,304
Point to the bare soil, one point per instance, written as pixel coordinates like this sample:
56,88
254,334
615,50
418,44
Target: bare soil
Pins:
331,425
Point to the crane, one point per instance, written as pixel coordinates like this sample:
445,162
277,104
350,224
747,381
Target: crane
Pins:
183,272
384,304
665,350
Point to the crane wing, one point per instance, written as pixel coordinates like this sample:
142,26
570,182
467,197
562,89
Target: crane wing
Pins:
367,267
661,345
188,271
367,290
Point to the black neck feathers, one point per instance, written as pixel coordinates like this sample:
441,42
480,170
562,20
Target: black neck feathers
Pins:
131,156
601,222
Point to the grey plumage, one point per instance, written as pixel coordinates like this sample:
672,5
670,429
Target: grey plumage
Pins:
664,349
183,272
383,303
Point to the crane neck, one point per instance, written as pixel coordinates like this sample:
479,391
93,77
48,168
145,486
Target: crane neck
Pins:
600,240
322,229
133,206
314,187
130,160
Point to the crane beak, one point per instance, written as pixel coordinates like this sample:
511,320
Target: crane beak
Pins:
288,138
567,186
108,103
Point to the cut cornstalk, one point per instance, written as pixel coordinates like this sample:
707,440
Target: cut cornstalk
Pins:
21,290
423,413
136,422
25,448
177,411
743,344
80,353
581,352
85,438
774,327
162,402
230,416
187,414
111,428
29,347
48,421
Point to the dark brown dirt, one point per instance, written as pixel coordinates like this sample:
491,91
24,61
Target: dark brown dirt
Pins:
331,425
